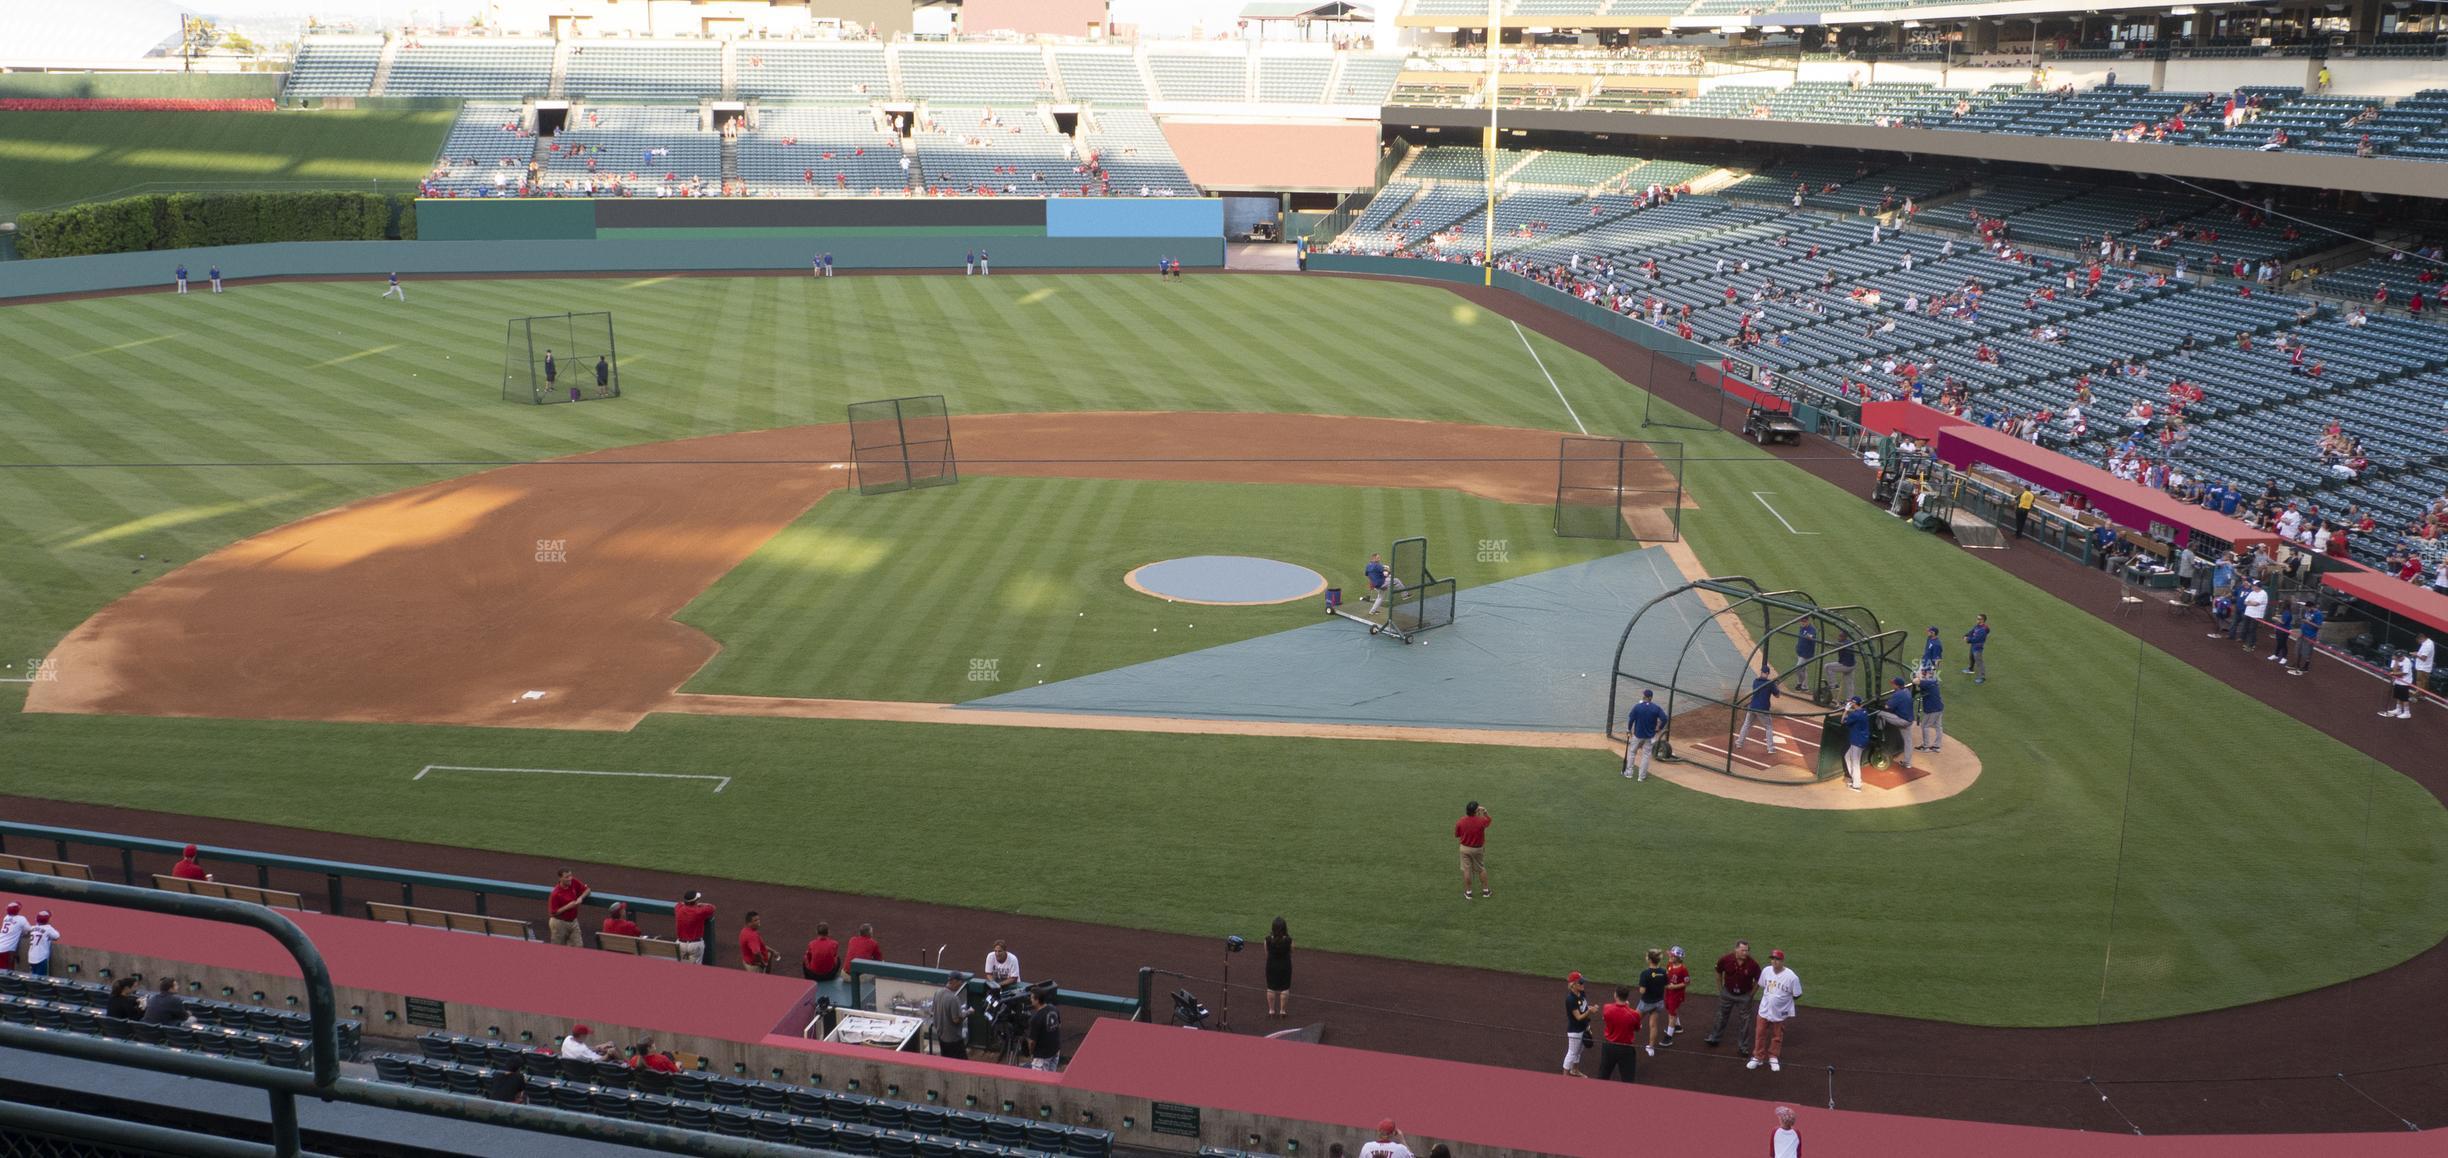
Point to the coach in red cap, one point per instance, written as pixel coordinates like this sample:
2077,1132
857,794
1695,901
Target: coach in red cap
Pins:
187,869
1576,1023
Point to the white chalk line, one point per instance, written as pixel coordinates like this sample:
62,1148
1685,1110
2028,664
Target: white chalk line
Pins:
1551,382
720,782
1762,496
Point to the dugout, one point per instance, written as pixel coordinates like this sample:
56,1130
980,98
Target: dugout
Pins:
1699,646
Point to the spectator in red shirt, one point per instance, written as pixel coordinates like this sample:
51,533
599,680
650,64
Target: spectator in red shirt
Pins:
647,1057
754,956
689,926
561,909
187,869
823,960
1471,831
863,947
1622,1048
618,923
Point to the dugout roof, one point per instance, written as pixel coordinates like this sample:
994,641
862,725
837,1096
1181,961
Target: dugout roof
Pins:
2129,504
2411,600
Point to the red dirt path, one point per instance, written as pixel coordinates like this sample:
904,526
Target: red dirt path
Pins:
432,605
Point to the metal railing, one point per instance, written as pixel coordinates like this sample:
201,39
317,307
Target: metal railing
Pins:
283,1086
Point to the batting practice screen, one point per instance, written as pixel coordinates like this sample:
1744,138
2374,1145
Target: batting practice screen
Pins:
898,444
1420,600
560,358
1611,488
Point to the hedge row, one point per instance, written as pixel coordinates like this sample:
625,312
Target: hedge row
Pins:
189,220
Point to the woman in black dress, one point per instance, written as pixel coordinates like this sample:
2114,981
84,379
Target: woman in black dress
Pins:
1279,971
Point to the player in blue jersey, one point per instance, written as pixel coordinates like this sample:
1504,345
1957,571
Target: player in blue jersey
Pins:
1898,713
1857,740
1976,639
1763,692
1380,582
1645,722
1931,650
1933,708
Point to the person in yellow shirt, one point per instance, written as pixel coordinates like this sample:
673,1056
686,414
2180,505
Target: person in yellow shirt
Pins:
2023,508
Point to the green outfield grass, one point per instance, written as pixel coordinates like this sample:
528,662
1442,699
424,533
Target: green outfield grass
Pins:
1028,572
2135,815
51,158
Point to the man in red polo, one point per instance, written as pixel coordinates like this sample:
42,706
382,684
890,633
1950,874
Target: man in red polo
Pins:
754,956
1471,831
1622,1048
561,909
187,869
864,946
618,923
823,959
689,919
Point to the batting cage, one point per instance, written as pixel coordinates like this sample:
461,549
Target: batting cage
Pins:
899,444
1612,488
560,358
1702,649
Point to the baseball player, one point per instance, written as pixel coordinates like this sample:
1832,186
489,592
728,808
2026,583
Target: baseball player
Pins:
1932,707
1857,741
1645,722
1899,711
1931,650
395,291
182,279
552,373
1763,690
215,274
1806,645
1381,582
1976,639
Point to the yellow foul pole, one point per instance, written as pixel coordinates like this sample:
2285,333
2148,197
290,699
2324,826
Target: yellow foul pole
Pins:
1487,161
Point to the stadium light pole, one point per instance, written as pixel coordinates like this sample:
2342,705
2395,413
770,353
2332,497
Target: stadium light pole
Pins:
1487,160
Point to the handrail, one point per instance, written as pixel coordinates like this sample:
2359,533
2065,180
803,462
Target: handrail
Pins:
324,1080
272,860
324,1046
1076,998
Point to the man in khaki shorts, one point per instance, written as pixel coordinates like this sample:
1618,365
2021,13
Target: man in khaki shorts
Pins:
1471,830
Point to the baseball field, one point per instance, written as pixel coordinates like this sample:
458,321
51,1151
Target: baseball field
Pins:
285,549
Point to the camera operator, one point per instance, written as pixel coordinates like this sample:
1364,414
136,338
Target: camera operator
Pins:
949,1011
1044,1031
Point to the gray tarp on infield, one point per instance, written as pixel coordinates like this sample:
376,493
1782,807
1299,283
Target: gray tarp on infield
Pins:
1513,658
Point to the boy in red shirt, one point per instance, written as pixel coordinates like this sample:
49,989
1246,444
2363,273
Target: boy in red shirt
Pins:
187,869
1678,983
1471,831
689,919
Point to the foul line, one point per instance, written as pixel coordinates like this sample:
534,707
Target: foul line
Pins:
1762,496
720,782
1551,382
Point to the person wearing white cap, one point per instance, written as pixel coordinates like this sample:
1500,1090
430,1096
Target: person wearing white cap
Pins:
12,936
1779,987
39,937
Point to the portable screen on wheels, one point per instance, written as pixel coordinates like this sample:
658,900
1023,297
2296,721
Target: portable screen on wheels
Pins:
560,358
898,444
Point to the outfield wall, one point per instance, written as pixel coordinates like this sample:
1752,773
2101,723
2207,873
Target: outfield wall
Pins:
1629,329
412,259
141,86
1180,221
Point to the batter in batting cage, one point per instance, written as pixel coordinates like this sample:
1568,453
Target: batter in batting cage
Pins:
560,358
899,444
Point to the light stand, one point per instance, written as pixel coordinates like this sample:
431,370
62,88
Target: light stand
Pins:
1232,945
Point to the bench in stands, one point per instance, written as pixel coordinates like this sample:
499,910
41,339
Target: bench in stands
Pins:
445,919
269,898
640,946
48,868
